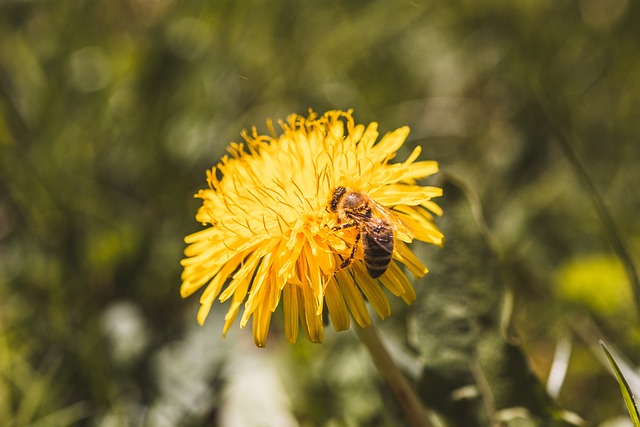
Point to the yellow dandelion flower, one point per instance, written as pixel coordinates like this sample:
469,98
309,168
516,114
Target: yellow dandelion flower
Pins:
287,217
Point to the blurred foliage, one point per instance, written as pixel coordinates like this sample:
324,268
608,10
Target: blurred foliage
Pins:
460,337
598,282
110,112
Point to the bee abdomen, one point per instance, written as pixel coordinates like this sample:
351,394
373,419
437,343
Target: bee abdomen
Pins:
376,256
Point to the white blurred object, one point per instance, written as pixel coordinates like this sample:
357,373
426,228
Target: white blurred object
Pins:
621,421
124,324
254,394
559,367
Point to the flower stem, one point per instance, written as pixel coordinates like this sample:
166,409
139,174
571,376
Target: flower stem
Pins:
415,413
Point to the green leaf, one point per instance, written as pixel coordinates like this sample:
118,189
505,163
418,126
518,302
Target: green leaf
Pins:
629,399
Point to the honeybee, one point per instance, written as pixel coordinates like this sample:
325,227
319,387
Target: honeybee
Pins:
375,224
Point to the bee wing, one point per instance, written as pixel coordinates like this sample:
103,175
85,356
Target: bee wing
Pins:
398,225
380,231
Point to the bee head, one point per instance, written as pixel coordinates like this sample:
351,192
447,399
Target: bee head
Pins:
336,196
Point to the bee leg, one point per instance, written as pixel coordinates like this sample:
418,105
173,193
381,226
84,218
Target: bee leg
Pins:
343,226
347,262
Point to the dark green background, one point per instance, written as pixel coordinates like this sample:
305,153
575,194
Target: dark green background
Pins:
110,113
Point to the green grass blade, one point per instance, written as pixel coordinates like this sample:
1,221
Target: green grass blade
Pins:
629,399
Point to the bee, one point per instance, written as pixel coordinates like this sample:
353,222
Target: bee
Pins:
375,224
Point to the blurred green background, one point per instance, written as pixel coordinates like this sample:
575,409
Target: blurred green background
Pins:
110,113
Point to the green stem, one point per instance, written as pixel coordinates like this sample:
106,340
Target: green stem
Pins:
612,231
564,139
416,414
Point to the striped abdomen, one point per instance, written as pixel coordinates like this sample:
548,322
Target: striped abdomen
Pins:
377,244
